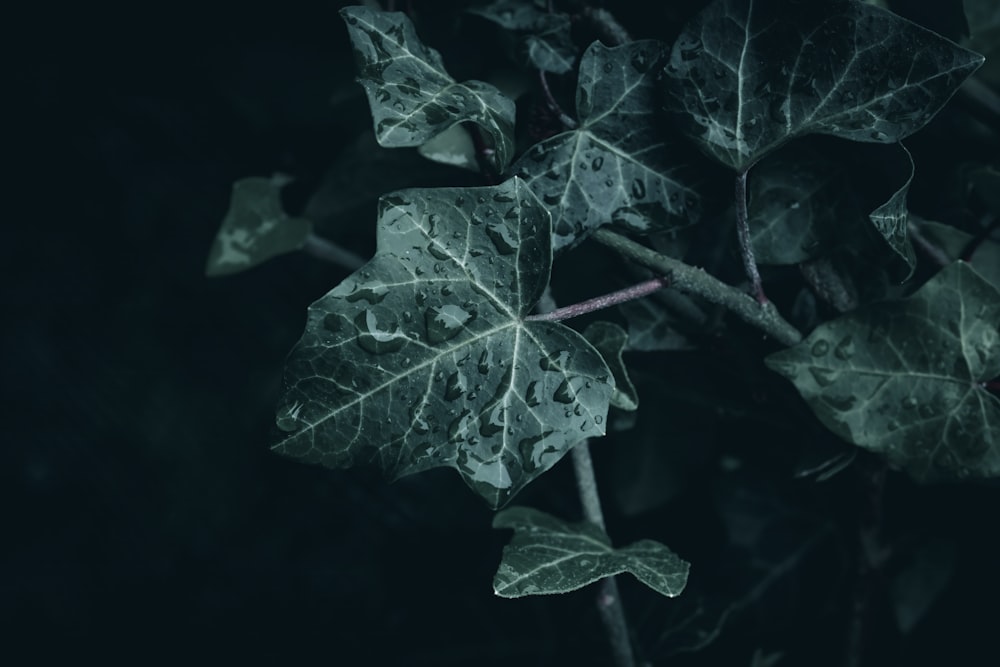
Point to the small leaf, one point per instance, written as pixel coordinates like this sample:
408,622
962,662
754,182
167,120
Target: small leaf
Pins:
544,37
799,206
890,220
986,258
905,378
411,95
610,339
615,166
423,358
651,328
745,77
256,228
548,556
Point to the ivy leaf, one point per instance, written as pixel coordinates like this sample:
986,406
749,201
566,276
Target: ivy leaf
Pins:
891,218
953,242
905,378
256,227
652,328
745,77
615,166
609,339
412,97
544,37
548,556
799,206
423,358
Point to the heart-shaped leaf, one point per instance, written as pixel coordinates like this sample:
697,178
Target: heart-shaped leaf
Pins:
412,97
547,555
615,166
748,75
423,357
906,378
256,227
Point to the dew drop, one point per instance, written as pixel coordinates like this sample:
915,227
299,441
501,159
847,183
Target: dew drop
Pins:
445,322
531,397
597,163
820,348
845,349
456,386
638,189
909,402
564,393
608,67
502,238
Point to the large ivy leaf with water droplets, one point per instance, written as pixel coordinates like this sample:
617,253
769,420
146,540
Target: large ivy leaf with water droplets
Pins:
544,37
547,555
412,97
423,357
256,227
748,75
906,378
615,166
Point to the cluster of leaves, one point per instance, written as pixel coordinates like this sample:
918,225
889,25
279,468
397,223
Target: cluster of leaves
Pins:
432,354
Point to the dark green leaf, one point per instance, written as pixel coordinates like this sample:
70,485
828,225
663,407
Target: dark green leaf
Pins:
614,167
610,339
799,205
986,258
548,556
905,378
411,95
256,228
651,328
746,77
544,36
985,182
423,359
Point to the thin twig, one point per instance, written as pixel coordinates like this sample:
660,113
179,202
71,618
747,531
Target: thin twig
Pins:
319,247
554,107
693,280
601,302
933,252
609,603
743,230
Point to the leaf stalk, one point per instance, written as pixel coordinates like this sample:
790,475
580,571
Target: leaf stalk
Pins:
693,280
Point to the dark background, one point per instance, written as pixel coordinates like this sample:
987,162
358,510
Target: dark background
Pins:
146,516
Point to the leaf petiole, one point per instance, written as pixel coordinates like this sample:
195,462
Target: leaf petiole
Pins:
601,302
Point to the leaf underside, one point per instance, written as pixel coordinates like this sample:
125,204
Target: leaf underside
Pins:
905,378
412,97
255,228
422,358
615,167
745,76
548,556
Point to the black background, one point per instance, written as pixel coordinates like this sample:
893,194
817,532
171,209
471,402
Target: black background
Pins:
146,515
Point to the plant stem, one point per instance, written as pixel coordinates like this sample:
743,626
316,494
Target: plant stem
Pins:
933,252
609,599
319,247
607,26
609,604
601,302
554,107
484,154
689,279
743,230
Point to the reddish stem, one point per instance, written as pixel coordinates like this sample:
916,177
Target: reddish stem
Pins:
743,231
601,302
